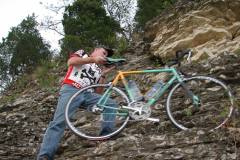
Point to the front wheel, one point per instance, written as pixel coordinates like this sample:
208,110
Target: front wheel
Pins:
213,108
93,121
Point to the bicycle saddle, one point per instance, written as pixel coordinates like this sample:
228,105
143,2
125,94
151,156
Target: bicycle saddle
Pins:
114,61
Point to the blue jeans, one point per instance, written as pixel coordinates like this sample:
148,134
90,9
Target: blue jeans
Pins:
56,127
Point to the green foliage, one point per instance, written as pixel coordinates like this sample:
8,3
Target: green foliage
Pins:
9,98
150,9
122,45
86,25
26,46
4,65
22,81
3,72
44,78
22,50
122,11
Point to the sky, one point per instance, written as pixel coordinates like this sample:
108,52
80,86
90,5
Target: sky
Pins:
12,12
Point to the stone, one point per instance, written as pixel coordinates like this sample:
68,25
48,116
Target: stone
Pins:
24,121
205,29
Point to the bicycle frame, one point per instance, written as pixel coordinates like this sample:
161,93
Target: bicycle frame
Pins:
121,77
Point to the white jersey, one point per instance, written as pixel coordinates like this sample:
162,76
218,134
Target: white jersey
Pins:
82,75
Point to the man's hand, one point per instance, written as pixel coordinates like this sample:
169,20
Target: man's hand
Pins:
107,70
99,60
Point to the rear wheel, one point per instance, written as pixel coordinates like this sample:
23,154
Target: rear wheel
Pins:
213,110
92,125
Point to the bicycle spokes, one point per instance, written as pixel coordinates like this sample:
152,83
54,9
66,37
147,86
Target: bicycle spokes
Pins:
209,105
103,117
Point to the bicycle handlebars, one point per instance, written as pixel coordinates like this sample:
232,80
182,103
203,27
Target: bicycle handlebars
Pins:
114,61
180,54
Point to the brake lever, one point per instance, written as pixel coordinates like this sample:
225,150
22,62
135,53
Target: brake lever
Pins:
179,56
189,56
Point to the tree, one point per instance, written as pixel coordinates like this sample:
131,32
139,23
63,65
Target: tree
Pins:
123,11
149,9
23,48
4,63
53,22
86,25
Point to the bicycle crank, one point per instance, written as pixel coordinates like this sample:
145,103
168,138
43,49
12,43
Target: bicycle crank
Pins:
139,110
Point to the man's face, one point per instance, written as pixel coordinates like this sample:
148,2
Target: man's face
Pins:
99,52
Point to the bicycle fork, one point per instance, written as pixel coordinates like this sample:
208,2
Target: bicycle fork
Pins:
194,99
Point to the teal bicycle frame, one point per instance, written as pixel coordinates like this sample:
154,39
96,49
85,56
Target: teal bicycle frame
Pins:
122,74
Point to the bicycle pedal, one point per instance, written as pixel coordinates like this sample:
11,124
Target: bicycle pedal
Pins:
156,120
96,109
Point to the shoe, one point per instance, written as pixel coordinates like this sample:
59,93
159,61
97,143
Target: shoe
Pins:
43,158
106,131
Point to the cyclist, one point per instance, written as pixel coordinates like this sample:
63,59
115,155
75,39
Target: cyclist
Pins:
83,70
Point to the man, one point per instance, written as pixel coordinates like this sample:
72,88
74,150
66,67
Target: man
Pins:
83,70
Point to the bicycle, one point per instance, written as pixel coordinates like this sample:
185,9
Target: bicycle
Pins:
190,101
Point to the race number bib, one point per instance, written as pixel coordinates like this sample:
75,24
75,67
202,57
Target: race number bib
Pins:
86,74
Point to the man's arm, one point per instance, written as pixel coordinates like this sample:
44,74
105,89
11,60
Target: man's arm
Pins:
103,78
79,61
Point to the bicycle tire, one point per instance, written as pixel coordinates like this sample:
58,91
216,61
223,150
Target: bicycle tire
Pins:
84,122
216,104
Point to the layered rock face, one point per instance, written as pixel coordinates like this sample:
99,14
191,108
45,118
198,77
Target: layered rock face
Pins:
208,27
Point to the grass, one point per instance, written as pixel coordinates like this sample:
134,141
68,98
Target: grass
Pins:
43,74
8,98
121,47
42,77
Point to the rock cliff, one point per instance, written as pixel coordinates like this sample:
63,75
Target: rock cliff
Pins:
210,27
207,27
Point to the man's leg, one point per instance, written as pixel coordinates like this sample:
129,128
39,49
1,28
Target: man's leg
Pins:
56,127
109,114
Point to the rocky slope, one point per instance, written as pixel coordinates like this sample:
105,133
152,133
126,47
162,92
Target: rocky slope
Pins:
24,118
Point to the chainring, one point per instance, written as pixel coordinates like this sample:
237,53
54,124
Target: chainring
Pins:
142,110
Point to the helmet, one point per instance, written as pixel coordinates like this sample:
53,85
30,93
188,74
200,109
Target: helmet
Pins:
108,49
